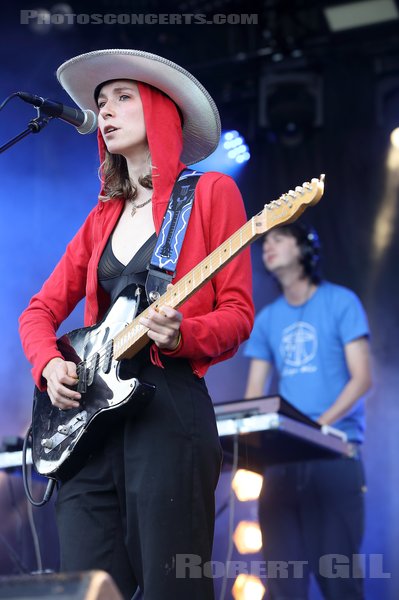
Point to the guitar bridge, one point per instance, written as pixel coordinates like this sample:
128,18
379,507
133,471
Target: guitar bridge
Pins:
64,431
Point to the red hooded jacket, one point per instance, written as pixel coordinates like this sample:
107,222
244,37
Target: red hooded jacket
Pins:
215,320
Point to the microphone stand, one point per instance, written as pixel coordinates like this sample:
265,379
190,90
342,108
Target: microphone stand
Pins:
34,126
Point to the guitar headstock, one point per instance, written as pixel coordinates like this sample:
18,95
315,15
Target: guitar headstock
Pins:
289,206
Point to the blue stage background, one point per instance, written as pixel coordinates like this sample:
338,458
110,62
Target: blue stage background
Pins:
49,183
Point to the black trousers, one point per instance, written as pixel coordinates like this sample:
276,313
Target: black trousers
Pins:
312,518
146,496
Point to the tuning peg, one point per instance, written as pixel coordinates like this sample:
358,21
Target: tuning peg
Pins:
288,199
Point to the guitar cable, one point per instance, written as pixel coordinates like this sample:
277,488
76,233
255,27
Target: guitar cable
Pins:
33,530
50,484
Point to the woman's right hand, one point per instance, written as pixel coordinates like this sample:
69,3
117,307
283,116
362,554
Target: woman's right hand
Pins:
60,374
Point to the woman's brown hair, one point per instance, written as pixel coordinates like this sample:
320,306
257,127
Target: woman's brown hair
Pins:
116,180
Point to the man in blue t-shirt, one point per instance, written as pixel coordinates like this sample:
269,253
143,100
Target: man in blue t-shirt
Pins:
316,337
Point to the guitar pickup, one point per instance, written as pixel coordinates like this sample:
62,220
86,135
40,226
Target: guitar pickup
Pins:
91,368
82,374
107,360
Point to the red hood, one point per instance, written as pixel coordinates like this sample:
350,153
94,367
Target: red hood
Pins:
165,140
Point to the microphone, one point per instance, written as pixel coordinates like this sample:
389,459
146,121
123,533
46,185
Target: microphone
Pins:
85,121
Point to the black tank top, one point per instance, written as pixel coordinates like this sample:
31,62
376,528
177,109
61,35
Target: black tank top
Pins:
114,276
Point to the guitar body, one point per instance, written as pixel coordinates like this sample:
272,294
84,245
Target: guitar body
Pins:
62,439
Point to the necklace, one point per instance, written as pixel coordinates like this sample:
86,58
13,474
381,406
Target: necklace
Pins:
136,206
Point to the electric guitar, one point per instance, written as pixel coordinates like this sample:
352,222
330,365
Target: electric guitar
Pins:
61,439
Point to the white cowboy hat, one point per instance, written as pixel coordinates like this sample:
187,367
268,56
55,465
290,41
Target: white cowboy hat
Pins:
80,76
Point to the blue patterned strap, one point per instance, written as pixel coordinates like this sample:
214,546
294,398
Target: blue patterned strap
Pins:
164,259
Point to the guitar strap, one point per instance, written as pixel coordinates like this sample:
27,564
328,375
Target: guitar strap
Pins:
162,267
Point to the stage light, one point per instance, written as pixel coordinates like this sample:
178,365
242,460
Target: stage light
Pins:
395,137
247,485
248,537
229,157
248,587
290,105
235,146
230,135
386,217
41,24
342,17
59,17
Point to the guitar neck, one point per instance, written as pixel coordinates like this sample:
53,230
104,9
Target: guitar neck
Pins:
134,336
284,210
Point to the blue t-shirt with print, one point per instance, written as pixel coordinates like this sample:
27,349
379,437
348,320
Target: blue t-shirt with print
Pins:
306,345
